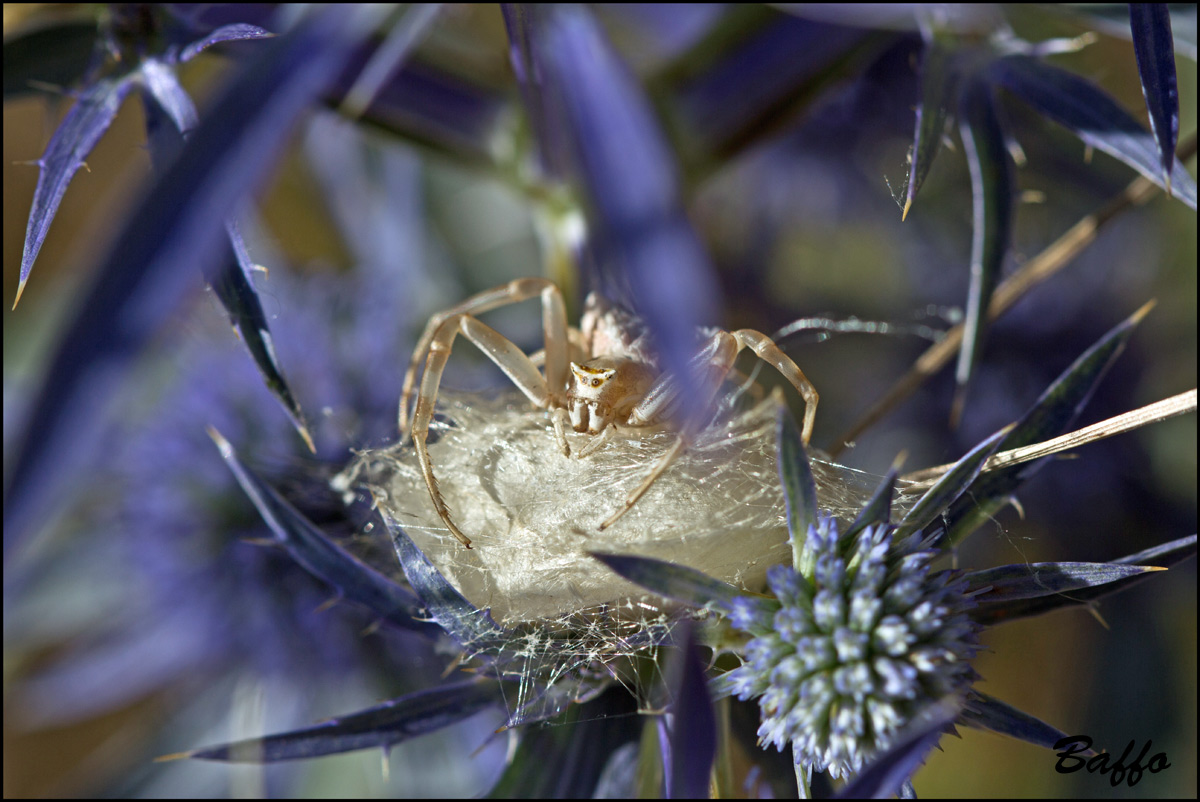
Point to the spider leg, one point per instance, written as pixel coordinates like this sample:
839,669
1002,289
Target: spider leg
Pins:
766,350
660,468
597,441
576,346
560,418
718,357
746,385
554,326
495,347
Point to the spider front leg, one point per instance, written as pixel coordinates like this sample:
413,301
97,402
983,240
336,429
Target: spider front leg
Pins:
718,356
508,357
554,326
766,350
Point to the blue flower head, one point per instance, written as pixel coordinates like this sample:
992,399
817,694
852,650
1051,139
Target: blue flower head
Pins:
855,649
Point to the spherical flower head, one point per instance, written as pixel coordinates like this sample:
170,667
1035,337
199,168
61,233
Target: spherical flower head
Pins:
856,649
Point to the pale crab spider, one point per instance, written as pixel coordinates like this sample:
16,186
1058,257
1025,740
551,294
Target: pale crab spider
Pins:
599,376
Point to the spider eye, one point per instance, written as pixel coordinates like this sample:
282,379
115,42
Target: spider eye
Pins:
595,382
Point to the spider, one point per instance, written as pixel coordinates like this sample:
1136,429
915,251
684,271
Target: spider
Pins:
597,377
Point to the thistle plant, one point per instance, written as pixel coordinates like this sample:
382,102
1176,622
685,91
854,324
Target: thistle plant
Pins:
863,657
745,159
855,649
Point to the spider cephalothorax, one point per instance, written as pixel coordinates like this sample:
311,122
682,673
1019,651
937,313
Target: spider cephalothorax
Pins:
605,390
597,377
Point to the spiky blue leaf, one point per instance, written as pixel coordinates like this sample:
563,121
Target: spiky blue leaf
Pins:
321,557
387,724
1031,580
1163,556
878,509
147,274
237,32
1049,417
992,211
159,81
1154,49
645,246
66,152
939,87
462,620
989,713
229,276
887,772
799,486
230,280
1091,114
943,493
672,581
521,21
691,725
